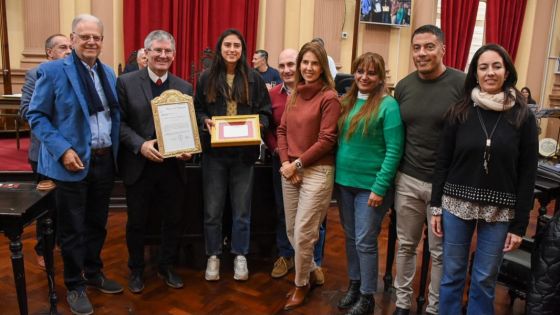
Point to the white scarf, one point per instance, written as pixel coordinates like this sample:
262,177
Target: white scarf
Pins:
493,102
362,96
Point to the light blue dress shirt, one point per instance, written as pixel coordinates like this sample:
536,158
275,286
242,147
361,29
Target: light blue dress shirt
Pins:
100,122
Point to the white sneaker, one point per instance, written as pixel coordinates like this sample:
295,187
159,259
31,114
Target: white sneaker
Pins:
212,269
240,268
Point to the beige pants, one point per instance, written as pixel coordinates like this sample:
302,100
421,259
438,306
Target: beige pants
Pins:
305,207
412,200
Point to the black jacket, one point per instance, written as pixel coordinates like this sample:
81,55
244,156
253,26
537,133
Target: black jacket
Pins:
544,290
259,103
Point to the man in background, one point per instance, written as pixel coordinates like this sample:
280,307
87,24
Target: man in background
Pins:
137,61
270,75
332,65
57,46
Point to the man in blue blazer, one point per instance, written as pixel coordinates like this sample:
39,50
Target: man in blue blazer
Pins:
74,112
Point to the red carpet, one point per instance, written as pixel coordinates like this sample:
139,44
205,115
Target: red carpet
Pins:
12,159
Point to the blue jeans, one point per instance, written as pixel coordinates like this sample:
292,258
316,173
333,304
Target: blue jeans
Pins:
457,237
220,175
285,249
362,224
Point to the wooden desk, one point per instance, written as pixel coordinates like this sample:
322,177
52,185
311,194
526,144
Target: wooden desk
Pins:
20,205
548,190
263,216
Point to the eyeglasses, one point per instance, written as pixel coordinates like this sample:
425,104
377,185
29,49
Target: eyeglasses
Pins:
87,37
158,51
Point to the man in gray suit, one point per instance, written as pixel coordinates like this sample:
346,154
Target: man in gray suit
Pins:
57,46
152,183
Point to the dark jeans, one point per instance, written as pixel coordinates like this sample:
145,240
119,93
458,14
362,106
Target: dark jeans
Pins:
220,175
82,215
285,249
38,228
160,189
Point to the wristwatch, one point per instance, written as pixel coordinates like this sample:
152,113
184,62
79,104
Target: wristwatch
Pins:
298,164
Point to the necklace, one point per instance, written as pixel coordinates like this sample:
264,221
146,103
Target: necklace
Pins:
486,155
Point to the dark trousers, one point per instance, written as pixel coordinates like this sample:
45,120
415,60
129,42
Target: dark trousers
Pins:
285,249
220,175
82,215
160,189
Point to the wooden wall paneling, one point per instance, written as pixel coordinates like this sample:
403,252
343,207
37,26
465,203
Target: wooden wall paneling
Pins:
327,24
40,21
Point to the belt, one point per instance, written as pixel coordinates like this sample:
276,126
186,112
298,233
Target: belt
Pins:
101,151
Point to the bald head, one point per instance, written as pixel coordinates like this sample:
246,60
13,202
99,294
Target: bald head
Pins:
287,61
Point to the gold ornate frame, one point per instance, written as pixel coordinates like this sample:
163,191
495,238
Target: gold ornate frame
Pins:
174,97
218,139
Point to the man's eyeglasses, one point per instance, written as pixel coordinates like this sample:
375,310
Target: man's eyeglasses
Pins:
166,51
85,38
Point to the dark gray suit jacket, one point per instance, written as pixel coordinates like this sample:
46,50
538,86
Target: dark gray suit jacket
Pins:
26,93
137,123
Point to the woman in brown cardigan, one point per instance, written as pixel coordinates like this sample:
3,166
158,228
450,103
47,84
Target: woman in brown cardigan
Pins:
306,138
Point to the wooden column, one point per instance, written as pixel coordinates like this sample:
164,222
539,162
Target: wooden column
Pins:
6,75
41,20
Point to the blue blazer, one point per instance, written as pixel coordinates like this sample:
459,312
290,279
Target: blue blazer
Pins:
58,114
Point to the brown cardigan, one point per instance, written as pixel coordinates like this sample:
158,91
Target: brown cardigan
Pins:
308,129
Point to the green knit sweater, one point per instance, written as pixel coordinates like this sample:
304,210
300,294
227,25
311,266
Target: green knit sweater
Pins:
370,161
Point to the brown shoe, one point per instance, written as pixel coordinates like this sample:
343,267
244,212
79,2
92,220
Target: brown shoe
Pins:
41,262
297,298
317,277
282,266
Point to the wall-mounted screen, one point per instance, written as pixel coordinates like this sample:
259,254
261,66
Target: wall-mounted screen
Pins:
386,12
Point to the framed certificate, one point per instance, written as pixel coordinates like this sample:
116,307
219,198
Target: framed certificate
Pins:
175,124
240,130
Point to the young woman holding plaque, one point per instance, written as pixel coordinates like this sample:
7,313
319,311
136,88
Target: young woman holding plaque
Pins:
306,140
229,87
484,179
370,146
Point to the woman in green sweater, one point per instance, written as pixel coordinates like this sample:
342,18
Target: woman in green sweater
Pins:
370,147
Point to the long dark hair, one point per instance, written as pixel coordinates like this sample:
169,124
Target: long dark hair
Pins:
530,99
217,82
371,107
517,115
326,77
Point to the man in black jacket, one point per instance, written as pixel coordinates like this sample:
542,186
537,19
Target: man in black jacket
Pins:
152,182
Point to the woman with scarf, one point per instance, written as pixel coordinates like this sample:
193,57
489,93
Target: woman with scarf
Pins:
484,179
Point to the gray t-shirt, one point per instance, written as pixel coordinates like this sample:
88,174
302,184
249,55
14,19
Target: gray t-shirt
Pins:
423,104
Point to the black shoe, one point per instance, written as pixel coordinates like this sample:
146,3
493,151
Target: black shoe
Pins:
79,302
170,277
401,311
351,295
135,282
104,285
364,306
